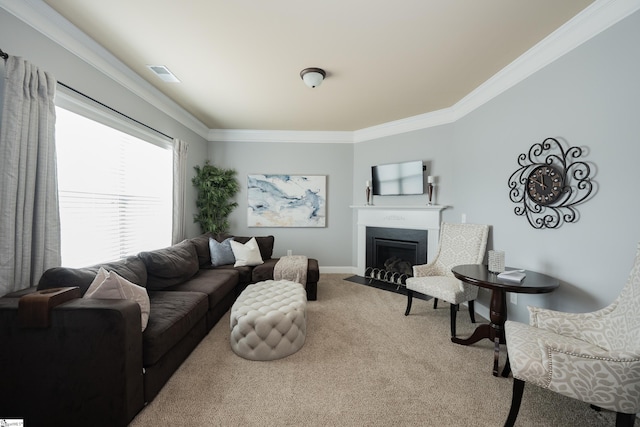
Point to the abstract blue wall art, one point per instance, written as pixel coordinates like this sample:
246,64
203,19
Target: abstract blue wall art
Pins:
287,200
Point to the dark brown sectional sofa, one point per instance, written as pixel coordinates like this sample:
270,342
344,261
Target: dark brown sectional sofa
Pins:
92,364
258,273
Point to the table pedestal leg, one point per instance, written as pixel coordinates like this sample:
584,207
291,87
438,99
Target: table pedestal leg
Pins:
496,355
493,331
498,316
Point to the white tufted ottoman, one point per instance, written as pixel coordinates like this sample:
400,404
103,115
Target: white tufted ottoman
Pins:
269,320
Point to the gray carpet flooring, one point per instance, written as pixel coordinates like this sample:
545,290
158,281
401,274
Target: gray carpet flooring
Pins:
363,364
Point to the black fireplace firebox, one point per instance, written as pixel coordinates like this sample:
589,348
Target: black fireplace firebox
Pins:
391,253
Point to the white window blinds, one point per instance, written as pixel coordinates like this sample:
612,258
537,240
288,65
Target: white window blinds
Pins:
115,191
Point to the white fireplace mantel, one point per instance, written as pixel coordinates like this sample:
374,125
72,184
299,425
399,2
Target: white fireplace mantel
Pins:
411,217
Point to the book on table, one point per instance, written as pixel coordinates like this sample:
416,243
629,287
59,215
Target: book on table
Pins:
513,275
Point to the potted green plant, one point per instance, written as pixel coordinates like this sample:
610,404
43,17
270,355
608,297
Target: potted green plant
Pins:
216,188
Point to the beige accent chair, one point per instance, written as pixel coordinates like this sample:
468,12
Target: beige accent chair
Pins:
459,244
593,357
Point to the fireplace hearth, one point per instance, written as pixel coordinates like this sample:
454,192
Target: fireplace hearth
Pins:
391,253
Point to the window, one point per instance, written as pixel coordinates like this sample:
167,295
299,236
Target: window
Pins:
115,191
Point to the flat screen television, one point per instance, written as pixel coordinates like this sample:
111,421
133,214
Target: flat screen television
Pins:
398,179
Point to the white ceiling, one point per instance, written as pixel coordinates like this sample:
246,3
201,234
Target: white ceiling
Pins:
239,61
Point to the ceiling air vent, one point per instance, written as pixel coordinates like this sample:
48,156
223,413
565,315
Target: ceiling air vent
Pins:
164,73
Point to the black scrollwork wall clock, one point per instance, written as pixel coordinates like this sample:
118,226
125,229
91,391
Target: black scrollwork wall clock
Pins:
549,183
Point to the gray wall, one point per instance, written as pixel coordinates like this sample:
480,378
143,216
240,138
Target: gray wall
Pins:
19,39
330,245
590,98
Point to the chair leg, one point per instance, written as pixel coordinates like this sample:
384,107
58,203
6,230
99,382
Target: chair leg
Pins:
507,368
409,300
625,420
622,420
453,311
435,303
516,399
472,310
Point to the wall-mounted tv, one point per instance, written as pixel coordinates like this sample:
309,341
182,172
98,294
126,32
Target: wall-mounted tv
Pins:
398,179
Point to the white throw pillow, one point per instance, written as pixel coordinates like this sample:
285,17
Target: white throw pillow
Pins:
247,254
110,285
97,281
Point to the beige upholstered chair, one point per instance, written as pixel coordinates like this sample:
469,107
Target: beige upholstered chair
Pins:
593,357
459,244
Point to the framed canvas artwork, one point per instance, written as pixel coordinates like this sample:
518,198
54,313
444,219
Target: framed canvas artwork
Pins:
287,200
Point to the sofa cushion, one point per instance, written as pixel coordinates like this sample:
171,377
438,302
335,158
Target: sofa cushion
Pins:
202,248
217,284
246,254
170,266
244,272
265,243
174,316
109,285
131,268
264,271
221,253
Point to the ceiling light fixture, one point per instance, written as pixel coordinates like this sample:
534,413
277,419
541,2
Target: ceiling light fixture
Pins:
313,77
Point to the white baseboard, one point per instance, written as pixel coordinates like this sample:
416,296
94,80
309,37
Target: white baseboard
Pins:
337,270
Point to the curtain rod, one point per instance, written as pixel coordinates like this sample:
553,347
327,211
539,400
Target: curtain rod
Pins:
5,55
113,109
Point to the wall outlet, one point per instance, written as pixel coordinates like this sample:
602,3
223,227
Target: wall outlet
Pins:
513,297
464,218
289,252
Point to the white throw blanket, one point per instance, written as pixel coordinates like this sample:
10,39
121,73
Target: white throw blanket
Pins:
292,268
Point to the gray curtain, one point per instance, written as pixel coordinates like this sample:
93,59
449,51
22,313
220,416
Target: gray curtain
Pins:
180,149
29,215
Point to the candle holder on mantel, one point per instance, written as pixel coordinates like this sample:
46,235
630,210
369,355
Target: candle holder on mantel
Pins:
367,192
430,189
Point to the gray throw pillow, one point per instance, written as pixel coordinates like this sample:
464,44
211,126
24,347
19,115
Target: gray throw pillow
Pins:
221,253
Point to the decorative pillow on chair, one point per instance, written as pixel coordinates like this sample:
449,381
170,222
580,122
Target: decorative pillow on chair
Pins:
221,253
109,285
247,254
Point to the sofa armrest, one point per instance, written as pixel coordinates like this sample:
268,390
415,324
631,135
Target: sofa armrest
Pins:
21,293
34,309
84,369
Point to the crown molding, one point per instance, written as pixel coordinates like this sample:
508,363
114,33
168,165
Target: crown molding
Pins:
594,19
421,121
289,136
41,17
